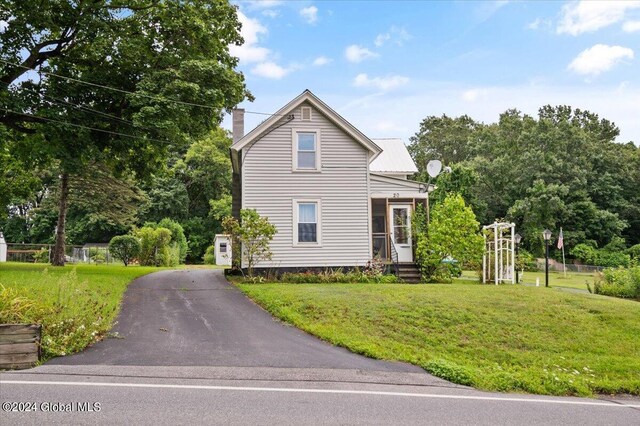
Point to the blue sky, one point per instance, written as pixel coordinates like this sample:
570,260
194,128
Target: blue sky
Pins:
386,65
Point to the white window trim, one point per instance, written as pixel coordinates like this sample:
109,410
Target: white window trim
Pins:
302,109
295,203
294,150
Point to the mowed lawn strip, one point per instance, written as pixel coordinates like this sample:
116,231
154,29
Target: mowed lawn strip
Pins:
577,280
503,338
75,304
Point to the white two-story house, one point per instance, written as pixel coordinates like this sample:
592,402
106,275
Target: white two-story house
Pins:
337,198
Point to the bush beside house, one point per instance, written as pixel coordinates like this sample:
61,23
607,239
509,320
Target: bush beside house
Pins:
452,234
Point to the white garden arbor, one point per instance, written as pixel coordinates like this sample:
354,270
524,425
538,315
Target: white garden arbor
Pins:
498,261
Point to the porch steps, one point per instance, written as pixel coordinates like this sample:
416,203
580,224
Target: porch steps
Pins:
409,273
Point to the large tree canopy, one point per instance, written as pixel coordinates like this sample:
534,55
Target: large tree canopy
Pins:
561,169
120,83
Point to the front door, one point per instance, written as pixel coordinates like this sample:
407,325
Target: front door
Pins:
400,215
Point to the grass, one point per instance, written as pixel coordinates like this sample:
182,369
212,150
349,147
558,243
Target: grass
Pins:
501,338
75,304
577,280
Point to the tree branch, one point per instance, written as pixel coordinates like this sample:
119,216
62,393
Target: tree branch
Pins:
37,57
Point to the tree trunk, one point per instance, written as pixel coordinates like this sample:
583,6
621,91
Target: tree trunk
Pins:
58,249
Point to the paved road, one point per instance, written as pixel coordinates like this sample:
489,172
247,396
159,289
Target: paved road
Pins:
196,350
196,318
200,395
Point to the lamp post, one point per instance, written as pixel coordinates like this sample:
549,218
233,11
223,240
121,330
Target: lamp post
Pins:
517,238
546,234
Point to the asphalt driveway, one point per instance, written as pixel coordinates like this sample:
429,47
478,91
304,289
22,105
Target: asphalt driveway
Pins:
196,318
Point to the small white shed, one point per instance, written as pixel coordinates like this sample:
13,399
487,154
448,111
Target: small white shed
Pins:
3,248
222,243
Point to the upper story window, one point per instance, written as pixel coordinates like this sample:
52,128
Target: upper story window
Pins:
306,150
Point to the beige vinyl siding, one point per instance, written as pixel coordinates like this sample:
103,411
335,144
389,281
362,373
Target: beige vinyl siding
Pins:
382,185
270,186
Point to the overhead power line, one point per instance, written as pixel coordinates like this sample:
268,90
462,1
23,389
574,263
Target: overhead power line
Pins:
158,98
65,123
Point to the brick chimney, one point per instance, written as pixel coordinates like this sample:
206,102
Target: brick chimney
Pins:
238,124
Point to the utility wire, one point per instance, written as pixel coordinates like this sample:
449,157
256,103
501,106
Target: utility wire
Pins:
85,127
87,109
104,114
110,88
159,98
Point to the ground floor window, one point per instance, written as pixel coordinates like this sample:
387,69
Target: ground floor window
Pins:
306,222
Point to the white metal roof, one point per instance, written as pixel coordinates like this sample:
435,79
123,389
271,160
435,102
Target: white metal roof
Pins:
394,158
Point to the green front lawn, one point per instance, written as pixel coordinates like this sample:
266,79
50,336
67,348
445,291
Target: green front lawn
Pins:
503,338
576,280
75,304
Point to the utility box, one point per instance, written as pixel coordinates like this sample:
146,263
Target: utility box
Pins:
3,248
222,244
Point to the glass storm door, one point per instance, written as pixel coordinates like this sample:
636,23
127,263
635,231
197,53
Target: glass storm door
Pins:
401,231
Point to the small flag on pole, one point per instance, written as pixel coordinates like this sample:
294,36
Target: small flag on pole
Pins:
560,240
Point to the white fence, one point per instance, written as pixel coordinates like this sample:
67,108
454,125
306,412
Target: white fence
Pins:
41,253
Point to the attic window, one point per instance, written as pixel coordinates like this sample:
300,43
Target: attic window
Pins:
306,113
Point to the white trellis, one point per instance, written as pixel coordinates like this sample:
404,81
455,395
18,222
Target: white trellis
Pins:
498,261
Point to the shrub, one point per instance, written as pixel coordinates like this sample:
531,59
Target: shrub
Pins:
613,259
210,255
618,282
526,261
337,276
634,252
604,257
97,255
585,253
154,246
177,237
452,234
41,256
124,248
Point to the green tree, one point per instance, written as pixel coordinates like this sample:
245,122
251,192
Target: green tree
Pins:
561,168
125,248
453,233
164,59
252,235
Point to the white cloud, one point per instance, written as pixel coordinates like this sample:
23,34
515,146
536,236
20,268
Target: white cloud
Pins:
588,16
534,25
631,26
270,13
407,108
381,83
355,53
262,4
599,58
250,51
271,70
321,60
396,34
473,95
539,23
3,25
309,14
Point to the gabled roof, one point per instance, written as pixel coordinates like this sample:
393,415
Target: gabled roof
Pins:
312,99
394,158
